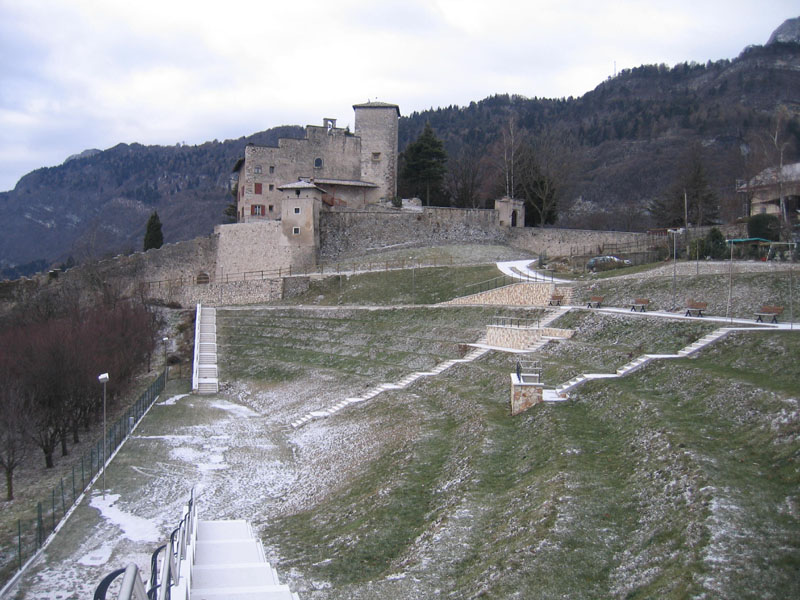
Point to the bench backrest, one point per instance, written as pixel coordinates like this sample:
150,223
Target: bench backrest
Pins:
557,297
596,298
776,310
696,305
641,301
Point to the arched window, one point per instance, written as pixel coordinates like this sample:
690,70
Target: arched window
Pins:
318,163
203,278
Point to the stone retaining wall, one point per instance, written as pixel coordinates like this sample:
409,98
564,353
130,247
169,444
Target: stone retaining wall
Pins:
519,338
524,395
236,292
518,294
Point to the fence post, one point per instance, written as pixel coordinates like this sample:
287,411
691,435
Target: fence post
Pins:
39,526
53,505
19,542
63,503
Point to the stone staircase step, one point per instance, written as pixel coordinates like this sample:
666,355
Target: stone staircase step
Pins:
216,576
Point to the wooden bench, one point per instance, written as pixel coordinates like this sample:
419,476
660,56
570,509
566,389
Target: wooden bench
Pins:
695,307
769,311
639,304
594,302
555,300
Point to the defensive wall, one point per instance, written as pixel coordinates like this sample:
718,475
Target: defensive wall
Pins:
346,233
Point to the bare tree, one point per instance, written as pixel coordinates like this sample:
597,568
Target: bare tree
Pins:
545,173
464,178
13,427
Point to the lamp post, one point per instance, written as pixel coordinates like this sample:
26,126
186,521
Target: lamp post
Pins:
166,372
674,233
104,380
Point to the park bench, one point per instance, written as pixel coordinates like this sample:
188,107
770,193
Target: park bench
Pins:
594,302
769,311
695,307
639,304
555,300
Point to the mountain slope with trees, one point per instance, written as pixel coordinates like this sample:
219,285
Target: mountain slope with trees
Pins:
623,148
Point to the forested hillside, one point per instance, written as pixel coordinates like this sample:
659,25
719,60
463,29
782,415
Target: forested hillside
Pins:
598,161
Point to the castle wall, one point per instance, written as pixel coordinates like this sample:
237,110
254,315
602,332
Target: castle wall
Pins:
565,242
256,247
346,233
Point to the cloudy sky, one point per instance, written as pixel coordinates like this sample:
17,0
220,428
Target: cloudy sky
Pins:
78,74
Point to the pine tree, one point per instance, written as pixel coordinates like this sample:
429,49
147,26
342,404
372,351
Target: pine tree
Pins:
424,166
153,237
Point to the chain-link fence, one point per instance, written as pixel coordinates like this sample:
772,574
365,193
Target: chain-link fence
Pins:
30,533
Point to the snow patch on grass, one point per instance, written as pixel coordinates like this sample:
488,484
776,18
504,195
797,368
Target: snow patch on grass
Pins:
134,528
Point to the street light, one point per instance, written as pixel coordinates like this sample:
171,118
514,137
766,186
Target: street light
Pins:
675,233
166,372
104,380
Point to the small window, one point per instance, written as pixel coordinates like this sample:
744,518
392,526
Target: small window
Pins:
257,210
257,189
297,210
296,230
271,208
257,170
271,187
317,163
203,278
297,193
376,156
272,170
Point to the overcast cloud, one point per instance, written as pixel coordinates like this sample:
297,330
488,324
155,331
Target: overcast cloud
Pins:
93,73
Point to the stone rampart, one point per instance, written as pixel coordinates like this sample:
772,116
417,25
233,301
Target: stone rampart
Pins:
345,233
566,242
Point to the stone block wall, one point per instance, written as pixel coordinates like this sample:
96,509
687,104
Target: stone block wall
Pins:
237,292
564,242
524,395
519,338
345,233
516,294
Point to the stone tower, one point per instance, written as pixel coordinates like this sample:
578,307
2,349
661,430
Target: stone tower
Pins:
376,125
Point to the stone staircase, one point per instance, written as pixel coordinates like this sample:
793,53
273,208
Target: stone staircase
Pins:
398,385
229,563
560,392
207,375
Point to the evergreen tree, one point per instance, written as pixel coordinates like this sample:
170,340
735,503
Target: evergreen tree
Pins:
153,237
690,197
423,169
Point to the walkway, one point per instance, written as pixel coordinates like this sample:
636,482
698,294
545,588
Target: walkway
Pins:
520,269
207,380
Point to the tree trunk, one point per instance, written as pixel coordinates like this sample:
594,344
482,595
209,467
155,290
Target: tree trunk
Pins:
9,484
63,438
48,458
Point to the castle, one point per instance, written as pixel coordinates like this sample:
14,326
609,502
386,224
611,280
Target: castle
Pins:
331,165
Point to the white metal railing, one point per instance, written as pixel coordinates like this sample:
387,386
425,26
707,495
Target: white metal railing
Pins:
169,577
196,357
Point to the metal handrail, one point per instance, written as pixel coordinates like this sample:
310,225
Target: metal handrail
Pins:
516,322
163,579
196,356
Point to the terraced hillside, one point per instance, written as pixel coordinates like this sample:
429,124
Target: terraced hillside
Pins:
678,481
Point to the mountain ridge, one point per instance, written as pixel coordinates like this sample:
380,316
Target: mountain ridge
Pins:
634,130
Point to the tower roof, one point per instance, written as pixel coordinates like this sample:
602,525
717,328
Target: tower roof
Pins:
376,104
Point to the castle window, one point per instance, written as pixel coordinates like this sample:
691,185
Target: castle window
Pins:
272,170
317,163
297,210
203,278
271,187
257,169
257,210
376,156
257,189
271,208
296,231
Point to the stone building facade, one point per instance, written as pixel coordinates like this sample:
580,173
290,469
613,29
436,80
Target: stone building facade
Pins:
348,169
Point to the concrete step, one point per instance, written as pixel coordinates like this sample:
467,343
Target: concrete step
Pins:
228,552
224,529
278,592
207,371
207,388
229,576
